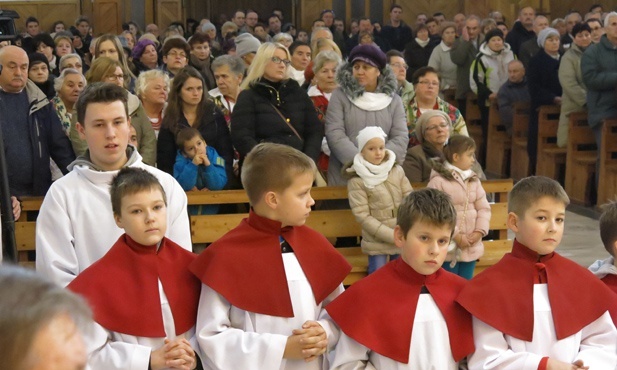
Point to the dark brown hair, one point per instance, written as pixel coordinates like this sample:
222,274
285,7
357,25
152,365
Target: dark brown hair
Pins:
426,205
457,144
129,181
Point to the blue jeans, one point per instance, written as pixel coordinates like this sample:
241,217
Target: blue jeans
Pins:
462,269
379,260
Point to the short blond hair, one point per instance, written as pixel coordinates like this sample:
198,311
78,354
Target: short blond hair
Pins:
273,167
530,189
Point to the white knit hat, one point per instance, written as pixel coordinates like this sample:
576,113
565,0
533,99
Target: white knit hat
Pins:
368,133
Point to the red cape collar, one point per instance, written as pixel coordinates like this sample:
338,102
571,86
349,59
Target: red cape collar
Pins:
502,295
246,266
379,310
122,288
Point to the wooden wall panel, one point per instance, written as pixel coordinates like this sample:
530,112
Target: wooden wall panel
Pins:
310,10
168,11
107,16
47,12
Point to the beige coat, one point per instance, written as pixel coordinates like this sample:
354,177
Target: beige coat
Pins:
473,212
375,209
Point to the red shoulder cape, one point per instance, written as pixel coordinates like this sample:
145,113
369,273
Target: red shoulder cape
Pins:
123,292
379,310
246,265
502,295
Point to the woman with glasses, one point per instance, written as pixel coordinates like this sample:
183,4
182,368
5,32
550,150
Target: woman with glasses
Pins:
188,106
426,82
433,130
366,97
105,69
272,107
175,55
110,46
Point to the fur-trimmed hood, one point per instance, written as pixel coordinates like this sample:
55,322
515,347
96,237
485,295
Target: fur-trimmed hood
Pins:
439,168
386,82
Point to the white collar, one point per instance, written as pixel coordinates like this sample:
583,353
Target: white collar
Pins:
372,101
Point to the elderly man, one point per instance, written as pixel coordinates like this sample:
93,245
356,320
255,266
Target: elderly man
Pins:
600,76
239,18
463,53
596,29
571,19
530,47
513,91
41,323
228,73
522,29
31,126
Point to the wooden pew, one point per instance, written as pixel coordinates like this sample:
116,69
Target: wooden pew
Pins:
519,159
449,95
474,125
607,181
342,223
551,160
498,145
581,158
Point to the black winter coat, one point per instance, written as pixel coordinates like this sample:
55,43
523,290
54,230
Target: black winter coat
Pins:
213,128
254,119
417,56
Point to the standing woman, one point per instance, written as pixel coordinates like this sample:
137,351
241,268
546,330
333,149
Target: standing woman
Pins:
273,108
440,57
543,83
44,44
68,86
145,57
418,51
188,106
110,46
105,69
366,97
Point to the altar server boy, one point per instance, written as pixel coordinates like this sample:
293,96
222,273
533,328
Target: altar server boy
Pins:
267,281
404,316
535,309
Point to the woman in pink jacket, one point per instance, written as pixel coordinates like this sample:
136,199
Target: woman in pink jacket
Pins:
455,176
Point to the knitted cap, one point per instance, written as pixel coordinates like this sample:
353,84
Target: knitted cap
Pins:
246,43
36,58
368,133
495,32
544,34
422,122
138,50
208,26
369,54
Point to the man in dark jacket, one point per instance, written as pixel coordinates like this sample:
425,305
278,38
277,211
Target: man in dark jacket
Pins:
513,91
522,29
365,24
600,76
463,53
31,128
397,32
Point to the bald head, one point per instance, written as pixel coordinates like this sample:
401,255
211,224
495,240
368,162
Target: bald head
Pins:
14,61
516,71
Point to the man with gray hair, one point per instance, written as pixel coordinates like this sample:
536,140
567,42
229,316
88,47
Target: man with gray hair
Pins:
600,76
530,47
571,19
41,323
522,30
463,53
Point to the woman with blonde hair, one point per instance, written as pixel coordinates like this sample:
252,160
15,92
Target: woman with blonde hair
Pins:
110,46
273,108
152,88
105,69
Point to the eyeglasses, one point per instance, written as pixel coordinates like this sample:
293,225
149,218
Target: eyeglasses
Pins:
429,83
278,60
442,126
173,54
399,65
115,77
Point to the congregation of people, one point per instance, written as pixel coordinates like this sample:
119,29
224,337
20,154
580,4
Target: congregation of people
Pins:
114,130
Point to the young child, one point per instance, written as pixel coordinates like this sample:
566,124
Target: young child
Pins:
265,282
133,138
142,294
535,309
198,167
606,269
456,177
376,189
387,321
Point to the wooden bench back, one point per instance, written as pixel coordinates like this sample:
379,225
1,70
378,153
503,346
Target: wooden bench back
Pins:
498,145
581,158
607,183
548,122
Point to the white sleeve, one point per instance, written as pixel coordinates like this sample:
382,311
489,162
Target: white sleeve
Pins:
103,353
598,348
179,230
493,351
351,355
56,258
226,347
332,331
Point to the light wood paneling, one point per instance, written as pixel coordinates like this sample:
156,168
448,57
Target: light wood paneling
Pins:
47,12
310,10
107,16
168,11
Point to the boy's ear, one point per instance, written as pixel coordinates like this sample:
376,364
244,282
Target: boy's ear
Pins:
512,221
80,130
118,220
399,237
615,248
271,199
456,157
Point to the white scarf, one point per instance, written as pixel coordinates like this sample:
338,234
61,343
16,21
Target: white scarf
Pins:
372,101
444,47
372,175
422,43
297,75
467,174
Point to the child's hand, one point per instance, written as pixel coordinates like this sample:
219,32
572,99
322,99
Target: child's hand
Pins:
461,241
474,237
175,354
553,364
205,160
16,208
197,160
307,343
205,189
